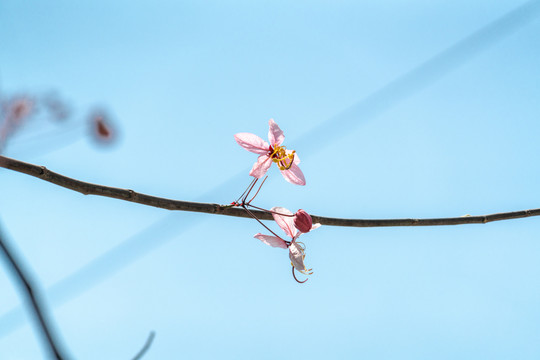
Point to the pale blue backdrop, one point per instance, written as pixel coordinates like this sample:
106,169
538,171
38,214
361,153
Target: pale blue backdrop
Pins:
397,109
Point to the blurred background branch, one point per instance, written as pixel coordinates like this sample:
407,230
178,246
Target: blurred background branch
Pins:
146,346
31,296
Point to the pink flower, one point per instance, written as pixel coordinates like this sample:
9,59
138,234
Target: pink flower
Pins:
286,160
296,249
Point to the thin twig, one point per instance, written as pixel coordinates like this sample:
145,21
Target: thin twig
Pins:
31,295
146,346
260,222
250,186
254,196
129,195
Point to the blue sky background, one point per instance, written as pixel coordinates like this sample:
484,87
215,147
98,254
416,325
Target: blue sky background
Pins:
457,135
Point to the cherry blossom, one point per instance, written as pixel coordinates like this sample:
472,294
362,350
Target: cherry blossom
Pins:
286,160
284,219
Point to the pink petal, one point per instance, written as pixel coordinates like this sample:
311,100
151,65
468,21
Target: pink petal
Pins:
261,166
275,135
294,175
296,254
284,222
271,240
252,143
315,226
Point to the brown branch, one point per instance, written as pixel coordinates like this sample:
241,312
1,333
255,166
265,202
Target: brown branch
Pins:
85,188
31,295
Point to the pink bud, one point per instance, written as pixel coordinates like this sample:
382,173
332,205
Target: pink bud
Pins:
302,221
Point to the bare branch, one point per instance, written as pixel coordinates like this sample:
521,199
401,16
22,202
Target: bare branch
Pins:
146,346
85,188
32,297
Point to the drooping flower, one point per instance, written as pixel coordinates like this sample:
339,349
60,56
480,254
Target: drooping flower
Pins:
286,160
284,219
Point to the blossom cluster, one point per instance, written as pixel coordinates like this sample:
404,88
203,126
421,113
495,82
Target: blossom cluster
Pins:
19,110
287,162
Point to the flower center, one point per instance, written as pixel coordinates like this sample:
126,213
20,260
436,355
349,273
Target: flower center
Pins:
281,158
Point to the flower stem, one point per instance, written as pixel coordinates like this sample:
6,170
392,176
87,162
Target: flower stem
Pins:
256,192
294,276
270,211
266,227
250,186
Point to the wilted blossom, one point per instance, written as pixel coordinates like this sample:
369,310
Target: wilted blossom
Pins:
286,160
303,221
284,219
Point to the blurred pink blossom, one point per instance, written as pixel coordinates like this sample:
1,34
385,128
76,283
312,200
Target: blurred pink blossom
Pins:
101,128
13,114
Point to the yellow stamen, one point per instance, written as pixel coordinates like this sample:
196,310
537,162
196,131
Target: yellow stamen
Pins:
305,271
280,157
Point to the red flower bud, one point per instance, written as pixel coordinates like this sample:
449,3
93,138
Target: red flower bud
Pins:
302,221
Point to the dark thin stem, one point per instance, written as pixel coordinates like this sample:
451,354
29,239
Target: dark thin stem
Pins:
31,296
252,185
146,346
269,211
43,173
259,189
260,222
295,278
248,188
